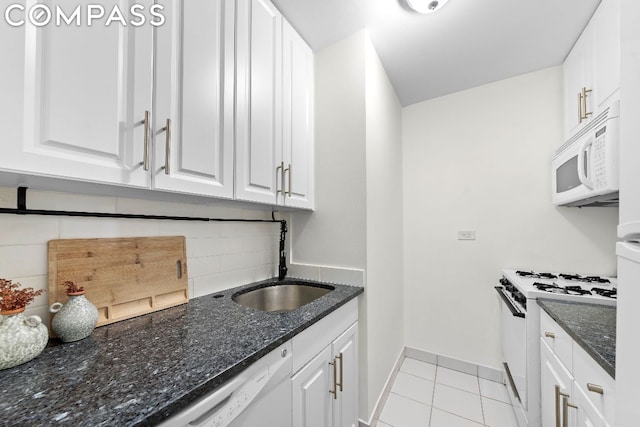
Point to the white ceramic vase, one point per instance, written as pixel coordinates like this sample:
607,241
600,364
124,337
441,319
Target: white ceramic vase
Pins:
74,320
21,339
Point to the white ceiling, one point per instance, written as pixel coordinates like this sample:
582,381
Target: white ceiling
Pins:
465,44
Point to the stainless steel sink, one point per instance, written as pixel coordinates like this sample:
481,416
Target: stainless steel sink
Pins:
281,297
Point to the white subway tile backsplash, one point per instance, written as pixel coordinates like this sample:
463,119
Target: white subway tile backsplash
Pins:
219,254
191,287
347,276
304,271
190,229
27,230
342,275
206,266
69,202
152,207
87,228
242,260
23,261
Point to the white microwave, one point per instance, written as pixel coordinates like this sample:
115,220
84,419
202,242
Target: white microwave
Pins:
585,169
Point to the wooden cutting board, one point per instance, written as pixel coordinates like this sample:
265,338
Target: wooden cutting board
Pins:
123,277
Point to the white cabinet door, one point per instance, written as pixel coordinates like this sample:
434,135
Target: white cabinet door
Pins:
258,100
297,119
606,52
345,353
576,70
555,379
193,120
592,68
85,90
311,397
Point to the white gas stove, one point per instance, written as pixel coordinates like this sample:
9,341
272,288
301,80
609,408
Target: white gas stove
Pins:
521,327
565,286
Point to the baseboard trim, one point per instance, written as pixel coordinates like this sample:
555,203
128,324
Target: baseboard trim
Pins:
485,372
386,390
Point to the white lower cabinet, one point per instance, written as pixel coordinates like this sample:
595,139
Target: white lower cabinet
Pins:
576,391
325,382
345,364
555,386
311,401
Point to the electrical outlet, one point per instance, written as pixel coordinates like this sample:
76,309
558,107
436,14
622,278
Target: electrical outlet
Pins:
466,235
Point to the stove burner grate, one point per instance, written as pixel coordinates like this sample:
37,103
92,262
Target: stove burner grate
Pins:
608,293
577,290
585,279
567,290
535,275
553,288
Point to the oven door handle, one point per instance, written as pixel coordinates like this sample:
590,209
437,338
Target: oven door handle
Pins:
512,309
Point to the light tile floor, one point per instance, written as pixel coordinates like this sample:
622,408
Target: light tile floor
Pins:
426,395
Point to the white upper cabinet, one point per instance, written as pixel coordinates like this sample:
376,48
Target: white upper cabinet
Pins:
592,68
274,109
259,100
297,119
606,52
84,91
193,119
216,101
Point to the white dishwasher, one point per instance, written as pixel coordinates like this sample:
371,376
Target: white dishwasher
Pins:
258,396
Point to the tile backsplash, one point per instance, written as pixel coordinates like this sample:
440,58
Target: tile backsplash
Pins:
220,255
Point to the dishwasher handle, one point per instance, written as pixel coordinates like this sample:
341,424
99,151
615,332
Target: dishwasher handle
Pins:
514,310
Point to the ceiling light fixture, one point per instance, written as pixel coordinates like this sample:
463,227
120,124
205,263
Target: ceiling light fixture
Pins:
426,6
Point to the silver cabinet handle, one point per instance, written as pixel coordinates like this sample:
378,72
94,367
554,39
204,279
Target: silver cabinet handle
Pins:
280,170
147,122
167,150
558,406
580,118
595,388
565,409
335,379
341,357
288,192
549,335
585,113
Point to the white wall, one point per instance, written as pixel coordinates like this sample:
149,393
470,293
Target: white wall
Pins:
384,296
335,234
219,255
480,160
357,221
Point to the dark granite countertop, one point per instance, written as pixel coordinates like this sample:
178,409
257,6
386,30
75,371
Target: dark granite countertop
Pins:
140,371
592,326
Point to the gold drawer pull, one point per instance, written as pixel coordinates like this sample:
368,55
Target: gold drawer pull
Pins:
549,335
595,388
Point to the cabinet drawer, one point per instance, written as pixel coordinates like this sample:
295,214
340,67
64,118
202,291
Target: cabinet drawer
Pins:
587,372
557,339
